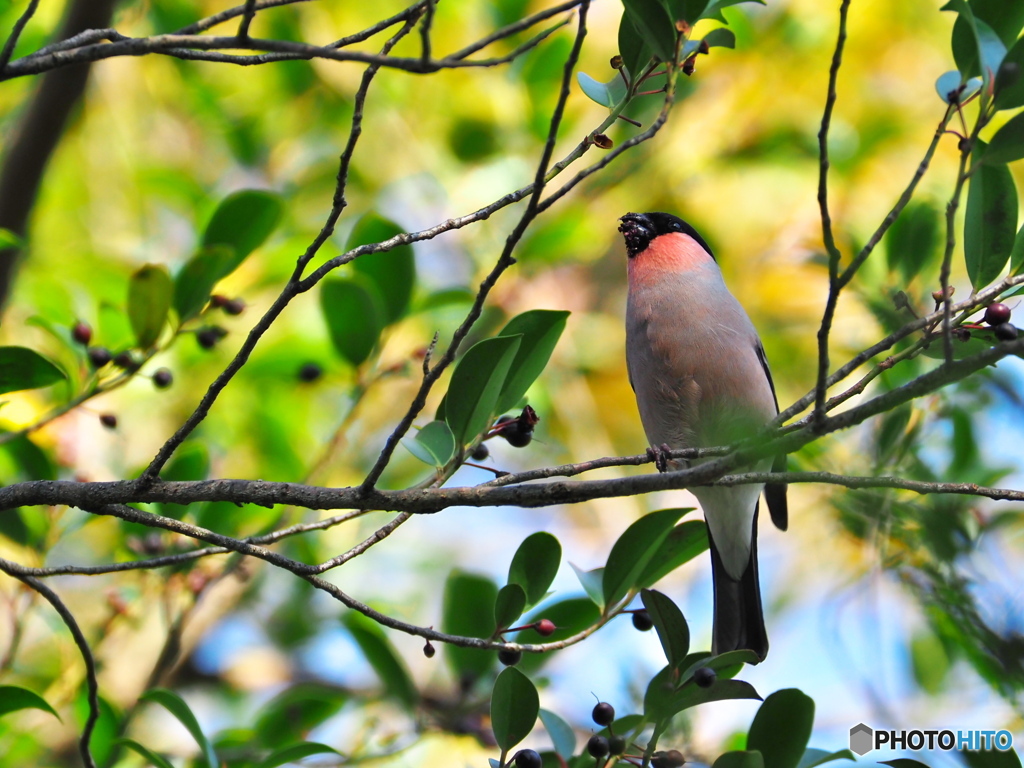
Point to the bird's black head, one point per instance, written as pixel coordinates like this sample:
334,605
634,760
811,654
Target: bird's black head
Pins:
639,229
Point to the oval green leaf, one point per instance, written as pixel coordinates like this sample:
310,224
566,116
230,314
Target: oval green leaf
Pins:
158,761
540,330
592,582
913,239
243,221
570,616
354,317
468,611
14,698
740,759
606,94
176,705
382,657
1011,95
990,222
683,543
1008,143
815,757
149,300
673,631
434,444
720,38
633,551
663,701
782,728
635,53
508,606
535,564
22,368
195,281
294,753
392,272
472,397
295,711
514,708
562,735
654,25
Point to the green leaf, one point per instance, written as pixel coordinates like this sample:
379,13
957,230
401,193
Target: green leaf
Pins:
663,700
990,223
382,657
913,239
672,628
720,38
592,583
726,664
635,53
1007,144
633,551
984,758
689,11
782,728
815,757
683,543
740,759
468,611
654,25
606,94
243,221
535,564
147,754
514,708
540,330
10,240
392,272
14,698
570,616
906,762
354,316
974,41
1011,95
174,704
929,660
21,368
714,8
562,735
472,397
294,753
149,300
296,711
508,605
1017,252
195,281
434,444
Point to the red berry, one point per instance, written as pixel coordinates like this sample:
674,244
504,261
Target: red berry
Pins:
545,627
108,420
997,314
81,333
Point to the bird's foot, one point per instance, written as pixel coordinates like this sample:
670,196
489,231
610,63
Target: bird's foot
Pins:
660,455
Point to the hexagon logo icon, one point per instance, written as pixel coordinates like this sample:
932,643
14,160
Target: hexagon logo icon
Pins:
861,738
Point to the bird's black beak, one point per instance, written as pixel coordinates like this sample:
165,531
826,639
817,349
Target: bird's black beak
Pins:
637,231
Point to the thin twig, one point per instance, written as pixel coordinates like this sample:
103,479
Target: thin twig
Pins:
826,219
18,572
19,26
512,29
231,13
247,13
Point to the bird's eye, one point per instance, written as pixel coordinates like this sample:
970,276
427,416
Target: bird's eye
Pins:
675,225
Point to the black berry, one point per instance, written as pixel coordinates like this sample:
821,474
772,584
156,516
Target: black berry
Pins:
704,676
218,300
126,360
99,356
603,714
527,758
208,337
108,420
234,306
617,745
997,314
671,758
545,627
642,621
598,746
81,333
429,650
517,437
510,658
162,378
1005,332
481,452
310,372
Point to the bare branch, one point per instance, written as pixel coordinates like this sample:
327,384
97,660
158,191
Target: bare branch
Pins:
232,13
247,13
19,27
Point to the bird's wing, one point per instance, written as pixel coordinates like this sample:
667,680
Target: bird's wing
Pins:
775,493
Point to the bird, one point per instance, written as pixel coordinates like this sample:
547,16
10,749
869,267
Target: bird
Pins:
701,379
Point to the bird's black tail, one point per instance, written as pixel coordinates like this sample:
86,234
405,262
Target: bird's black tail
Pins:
739,621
